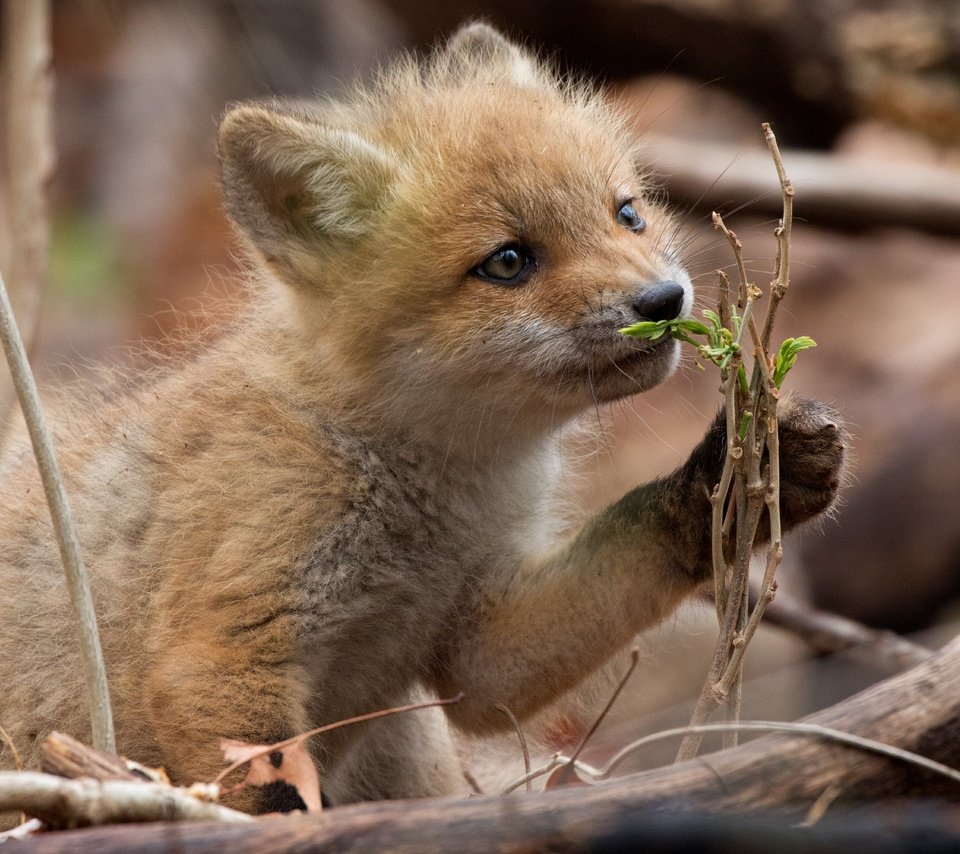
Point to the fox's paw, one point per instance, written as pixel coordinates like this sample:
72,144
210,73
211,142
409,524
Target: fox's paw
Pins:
812,450
813,445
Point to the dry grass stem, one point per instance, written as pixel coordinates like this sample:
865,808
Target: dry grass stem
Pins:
521,738
802,729
821,805
5,738
77,584
568,773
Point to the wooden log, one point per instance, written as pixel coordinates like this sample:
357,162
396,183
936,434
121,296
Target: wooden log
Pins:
847,193
827,634
917,710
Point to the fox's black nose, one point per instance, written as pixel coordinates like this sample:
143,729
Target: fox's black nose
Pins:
662,301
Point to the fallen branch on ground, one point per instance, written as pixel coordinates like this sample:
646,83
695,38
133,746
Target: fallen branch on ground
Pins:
68,803
918,710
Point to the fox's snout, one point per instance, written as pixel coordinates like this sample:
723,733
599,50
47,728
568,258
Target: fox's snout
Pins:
660,301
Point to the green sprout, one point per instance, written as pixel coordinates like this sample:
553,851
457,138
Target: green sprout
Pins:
787,357
721,344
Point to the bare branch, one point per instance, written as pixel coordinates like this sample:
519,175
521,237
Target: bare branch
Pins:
62,802
828,633
745,488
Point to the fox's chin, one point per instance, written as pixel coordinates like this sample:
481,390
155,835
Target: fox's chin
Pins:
638,372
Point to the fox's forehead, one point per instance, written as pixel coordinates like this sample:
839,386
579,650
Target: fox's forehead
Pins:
514,126
519,158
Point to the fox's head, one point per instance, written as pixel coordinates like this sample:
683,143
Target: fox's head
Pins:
467,234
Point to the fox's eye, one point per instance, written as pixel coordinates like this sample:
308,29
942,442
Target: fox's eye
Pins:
509,265
628,217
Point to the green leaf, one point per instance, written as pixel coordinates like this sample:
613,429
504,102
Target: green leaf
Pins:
713,317
787,357
690,325
720,345
651,329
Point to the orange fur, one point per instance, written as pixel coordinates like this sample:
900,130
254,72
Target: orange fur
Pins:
348,498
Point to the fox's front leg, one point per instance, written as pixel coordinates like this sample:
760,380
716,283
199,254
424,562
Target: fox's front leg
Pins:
197,693
536,631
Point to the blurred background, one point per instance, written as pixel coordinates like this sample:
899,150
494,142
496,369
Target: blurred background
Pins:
865,99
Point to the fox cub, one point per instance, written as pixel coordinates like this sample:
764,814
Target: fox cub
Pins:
347,500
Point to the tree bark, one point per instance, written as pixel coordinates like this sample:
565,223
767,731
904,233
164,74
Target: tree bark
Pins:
66,757
917,710
28,163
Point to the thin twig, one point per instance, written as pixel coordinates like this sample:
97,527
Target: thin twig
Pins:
567,774
778,289
783,232
95,673
798,728
573,762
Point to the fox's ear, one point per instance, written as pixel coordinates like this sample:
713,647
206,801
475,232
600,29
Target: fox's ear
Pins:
295,185
480,44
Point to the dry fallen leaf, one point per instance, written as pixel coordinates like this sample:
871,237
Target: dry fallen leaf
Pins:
290,764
